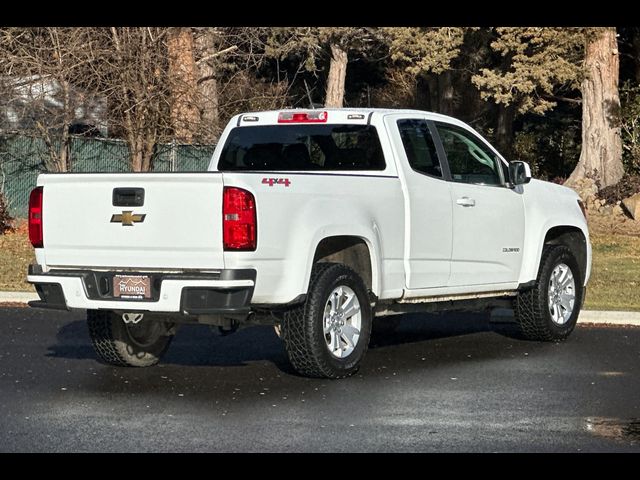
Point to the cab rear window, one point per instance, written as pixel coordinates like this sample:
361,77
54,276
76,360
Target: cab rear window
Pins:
302,148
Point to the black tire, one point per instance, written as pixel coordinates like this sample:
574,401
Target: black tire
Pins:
302,327
531,307
119,344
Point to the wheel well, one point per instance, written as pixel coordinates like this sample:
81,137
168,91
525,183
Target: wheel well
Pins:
573,238
350,251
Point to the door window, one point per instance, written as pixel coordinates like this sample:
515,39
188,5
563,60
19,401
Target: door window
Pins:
470,160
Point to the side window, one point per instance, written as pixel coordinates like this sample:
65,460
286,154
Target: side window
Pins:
419,146
470,160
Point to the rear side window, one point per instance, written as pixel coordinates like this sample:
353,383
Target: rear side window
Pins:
302,148
419,147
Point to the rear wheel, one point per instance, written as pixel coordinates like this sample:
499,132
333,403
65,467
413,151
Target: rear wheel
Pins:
127,345
549,311
329,334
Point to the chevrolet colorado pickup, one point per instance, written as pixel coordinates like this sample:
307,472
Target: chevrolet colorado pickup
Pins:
322,223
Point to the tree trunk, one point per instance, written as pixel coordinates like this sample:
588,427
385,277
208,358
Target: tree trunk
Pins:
422,94
65,140
136,163
432,82
149,143
601,154
636,52
504,130
51,162
337,77
182,80
441,98
445,93
207,88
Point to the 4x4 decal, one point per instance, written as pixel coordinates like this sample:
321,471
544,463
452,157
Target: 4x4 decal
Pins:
276,181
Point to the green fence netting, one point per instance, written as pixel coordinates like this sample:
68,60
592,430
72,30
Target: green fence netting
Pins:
22,158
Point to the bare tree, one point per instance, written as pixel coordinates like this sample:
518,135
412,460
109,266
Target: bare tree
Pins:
207,41
216,50
224,82
59,68
232,62
133,72
182,80
45,83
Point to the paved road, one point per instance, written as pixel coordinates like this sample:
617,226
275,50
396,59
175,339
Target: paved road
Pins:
442,383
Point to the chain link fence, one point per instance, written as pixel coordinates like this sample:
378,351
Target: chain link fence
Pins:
22,159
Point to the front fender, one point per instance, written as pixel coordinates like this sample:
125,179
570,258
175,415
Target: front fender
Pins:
535,245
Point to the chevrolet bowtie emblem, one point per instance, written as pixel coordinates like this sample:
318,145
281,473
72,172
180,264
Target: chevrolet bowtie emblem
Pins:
128,218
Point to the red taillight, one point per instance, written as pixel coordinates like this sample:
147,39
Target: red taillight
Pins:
302,117
239,225
35,218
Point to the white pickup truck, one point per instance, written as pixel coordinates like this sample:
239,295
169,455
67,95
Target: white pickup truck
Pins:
316,222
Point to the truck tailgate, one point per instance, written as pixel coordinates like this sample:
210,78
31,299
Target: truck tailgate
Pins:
178,226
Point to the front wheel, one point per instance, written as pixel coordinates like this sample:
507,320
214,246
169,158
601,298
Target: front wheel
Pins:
329,334
127,345
549,311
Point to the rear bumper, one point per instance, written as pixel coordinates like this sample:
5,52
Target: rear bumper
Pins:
222,292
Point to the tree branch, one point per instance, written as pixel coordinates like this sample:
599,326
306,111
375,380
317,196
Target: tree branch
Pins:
560,98
216,54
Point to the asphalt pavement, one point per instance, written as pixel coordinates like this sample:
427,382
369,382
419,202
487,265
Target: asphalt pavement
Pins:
442,383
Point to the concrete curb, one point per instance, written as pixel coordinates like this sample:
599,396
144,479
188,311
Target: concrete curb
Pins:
598,317
18,297
499,314
612,318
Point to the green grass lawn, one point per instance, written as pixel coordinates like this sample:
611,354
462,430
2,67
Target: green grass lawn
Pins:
615,274
614,284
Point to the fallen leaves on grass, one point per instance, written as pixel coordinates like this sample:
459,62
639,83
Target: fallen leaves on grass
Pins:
16,253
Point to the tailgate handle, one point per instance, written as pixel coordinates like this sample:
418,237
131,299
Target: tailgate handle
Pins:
128,197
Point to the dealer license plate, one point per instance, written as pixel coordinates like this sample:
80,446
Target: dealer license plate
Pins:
132,286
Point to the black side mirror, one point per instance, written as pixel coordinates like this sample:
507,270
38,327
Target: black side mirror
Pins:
519,173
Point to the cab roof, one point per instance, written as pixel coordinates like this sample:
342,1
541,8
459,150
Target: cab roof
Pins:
332,115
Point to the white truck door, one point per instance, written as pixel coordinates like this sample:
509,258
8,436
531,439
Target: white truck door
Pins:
427,203
488,217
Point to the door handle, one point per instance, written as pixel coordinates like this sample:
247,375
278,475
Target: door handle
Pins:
466,202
